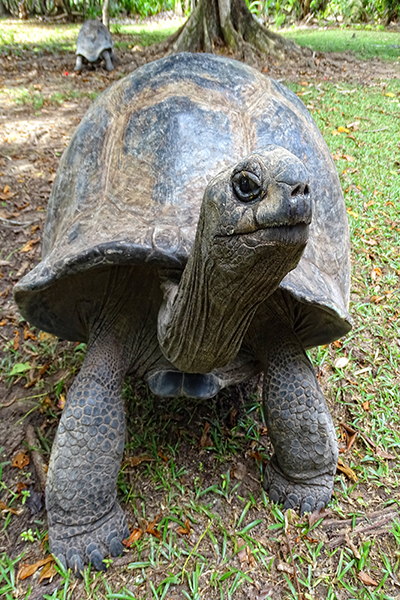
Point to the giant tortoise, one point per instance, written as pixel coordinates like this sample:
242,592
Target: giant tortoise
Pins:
196,235
94,44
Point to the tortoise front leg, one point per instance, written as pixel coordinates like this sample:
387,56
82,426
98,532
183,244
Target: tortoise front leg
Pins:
85,521
301,472
107,59
78,65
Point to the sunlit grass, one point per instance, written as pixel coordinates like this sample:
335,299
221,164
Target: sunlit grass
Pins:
364,44
22,37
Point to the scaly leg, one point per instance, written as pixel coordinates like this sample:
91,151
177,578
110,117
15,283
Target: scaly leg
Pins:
78,65
301,472
107,59
85,521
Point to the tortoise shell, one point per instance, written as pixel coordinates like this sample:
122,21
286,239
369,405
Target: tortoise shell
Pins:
93,39
130,184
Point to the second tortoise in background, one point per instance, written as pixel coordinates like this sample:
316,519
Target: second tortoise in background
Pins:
93,45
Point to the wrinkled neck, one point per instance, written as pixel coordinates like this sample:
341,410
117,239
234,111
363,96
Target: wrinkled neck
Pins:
205,316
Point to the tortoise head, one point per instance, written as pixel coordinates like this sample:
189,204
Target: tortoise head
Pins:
264,200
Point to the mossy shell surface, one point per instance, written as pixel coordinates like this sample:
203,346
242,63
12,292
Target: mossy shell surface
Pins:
130,184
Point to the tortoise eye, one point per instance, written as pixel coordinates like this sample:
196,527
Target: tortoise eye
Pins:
247,186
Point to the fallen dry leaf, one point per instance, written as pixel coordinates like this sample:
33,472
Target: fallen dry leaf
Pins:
28,335
366,579
242,554
151,528
376,450
366,406
285,568
43,370
185,530
6,508
21,460
16,340
350,435
45,336
205,439
28,570
134,537
316,515
245,555
48,572
352,213
43,542
346,470
29,245
256,455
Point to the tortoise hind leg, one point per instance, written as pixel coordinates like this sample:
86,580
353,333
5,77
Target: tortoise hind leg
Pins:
301,472
85,521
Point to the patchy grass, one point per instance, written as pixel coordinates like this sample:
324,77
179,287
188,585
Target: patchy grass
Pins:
364,44
32,96
22,38
143,34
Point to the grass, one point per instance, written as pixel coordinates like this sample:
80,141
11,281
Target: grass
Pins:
363,43
216,534
36,99
27,37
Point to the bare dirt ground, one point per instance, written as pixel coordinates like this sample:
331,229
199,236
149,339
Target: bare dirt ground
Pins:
32,140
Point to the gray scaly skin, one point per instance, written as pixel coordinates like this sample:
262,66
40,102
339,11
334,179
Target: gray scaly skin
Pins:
78,64
107,55
247,240
85,521
301,472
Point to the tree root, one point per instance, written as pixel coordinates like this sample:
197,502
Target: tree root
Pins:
215,25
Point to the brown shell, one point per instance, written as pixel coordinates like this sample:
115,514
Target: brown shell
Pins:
130,184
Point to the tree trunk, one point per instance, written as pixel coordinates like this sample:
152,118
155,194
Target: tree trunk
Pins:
4,12
229,23
304,8
106,13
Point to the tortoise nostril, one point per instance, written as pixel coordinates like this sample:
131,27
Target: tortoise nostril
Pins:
297,190
306,190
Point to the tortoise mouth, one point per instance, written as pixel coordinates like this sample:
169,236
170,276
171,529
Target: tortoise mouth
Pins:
287,235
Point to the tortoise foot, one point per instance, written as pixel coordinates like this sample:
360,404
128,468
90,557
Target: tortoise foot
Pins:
80,545
311,495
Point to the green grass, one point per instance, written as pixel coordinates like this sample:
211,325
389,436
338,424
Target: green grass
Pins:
142,34
364,44
27,37
36,99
